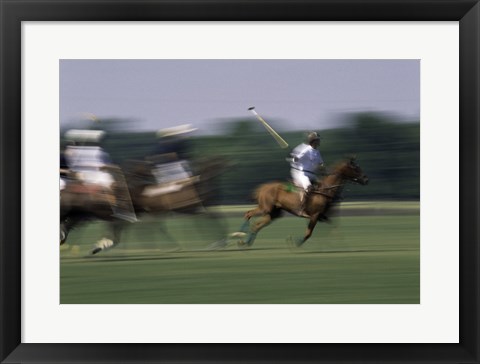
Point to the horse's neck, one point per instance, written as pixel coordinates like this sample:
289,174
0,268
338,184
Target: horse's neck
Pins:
332,183
332,180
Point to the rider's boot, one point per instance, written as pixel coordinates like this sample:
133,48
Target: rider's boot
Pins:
304,201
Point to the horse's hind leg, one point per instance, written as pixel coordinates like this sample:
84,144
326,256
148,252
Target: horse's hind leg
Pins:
308,233
246,226
262,222
251,213
257,226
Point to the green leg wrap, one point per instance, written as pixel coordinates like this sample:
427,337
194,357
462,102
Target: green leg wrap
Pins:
245,226
251,238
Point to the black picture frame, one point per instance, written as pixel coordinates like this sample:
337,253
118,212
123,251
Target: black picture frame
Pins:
13,12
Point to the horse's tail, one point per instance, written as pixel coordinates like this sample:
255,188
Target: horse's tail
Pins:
259,190
256,193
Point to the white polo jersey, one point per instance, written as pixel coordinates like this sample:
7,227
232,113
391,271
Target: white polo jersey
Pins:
85,157
87,162
306,159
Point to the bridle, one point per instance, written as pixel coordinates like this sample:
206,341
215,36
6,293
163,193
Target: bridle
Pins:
321,189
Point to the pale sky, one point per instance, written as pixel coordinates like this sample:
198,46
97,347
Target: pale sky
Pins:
292,94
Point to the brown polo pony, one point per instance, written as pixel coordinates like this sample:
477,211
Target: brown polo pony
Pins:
81,203
274,197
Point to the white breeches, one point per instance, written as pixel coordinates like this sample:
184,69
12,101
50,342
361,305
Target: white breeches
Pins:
101,178
301,179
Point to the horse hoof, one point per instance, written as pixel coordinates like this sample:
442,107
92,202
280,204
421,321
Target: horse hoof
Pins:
96,250
238,234
102,245
63,237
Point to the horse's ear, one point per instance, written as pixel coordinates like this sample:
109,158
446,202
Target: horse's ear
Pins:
353,161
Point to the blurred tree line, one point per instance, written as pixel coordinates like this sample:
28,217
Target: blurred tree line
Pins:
388,152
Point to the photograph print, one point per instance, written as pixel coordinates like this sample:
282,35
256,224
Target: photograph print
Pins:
253,181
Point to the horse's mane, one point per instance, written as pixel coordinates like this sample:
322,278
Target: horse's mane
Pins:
340,163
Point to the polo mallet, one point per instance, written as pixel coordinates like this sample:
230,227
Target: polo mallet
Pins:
273,133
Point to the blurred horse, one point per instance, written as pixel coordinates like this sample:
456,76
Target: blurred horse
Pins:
187,195
190,195
274,197
81,203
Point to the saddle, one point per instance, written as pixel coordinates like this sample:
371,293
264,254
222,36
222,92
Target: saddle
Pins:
304,197
82,194
175,195
80,188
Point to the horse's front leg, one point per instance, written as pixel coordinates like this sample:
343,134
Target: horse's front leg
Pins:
106,243
308,233
117,227
63,233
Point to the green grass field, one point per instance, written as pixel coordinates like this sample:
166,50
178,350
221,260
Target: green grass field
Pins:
355,260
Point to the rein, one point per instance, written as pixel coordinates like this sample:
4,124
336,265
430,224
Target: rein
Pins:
329,195
326,194
321,190
330,187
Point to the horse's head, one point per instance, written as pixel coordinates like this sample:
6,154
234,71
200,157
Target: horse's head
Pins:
351,171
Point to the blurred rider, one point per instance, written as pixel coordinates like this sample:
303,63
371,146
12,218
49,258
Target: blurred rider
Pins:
305,163
91,165
171,154
87,158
